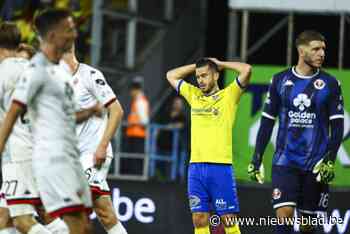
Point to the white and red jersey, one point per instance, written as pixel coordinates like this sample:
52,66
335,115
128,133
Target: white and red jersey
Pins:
19,145
46,90
90,87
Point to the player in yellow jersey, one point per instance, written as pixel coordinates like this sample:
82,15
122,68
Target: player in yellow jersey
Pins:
211,182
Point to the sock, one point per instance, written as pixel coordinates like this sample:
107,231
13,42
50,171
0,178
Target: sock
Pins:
117,229
58,226
10,230
232,230
284,229
38,229
202,230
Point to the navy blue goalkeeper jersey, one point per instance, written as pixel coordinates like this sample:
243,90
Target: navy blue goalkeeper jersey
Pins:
304,106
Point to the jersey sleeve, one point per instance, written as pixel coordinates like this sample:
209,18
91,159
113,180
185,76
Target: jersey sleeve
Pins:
100,88
336,103
234,91
188,91
27,87
272,103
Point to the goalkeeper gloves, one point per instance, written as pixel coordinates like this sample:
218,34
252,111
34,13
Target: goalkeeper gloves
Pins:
256,169
324,170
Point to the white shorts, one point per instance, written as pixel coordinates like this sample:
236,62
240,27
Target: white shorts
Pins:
62,185
19,188
97,178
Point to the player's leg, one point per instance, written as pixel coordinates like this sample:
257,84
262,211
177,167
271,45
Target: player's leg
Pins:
198,197
54,225
201,222
6,225
102,203
22,195
105,212
285,185
223,193
315,199
77,222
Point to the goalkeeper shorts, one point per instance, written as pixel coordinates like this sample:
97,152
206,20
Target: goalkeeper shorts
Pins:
298,188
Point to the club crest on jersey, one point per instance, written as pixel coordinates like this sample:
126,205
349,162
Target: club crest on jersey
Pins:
319,84
215,111
302,101
276,194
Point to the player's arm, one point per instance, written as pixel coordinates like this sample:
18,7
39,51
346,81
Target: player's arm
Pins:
262,139
115,115
175,75
336,137
244,70
325,168
85,114
270,112
99,87
14,112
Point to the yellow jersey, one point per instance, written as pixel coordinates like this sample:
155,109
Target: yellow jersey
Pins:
212,119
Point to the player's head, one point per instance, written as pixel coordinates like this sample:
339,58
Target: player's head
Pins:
10,36
311,46
56,27
25,51
207,74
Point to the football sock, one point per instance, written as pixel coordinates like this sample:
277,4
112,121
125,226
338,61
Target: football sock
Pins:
117,229
38,229
232,230
58,226
202,230
10,230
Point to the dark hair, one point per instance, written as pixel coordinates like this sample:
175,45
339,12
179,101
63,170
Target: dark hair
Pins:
136,83
205,61
26,48
10,36
307,36
49,18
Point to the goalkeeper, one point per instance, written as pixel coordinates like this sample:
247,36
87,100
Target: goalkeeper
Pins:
309,106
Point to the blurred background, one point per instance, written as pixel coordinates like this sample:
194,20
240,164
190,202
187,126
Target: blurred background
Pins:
135,42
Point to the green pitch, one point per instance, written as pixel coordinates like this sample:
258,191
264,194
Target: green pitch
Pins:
246,125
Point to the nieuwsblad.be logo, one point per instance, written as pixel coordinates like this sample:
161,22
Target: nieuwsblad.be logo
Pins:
301,118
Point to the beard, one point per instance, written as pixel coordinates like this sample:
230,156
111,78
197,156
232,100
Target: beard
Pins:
310,63
210,89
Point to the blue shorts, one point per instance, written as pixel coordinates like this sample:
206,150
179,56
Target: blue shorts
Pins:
212,187
294,187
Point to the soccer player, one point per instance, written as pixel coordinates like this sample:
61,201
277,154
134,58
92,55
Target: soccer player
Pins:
18,185
95,134
309,105
211,181
44,89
